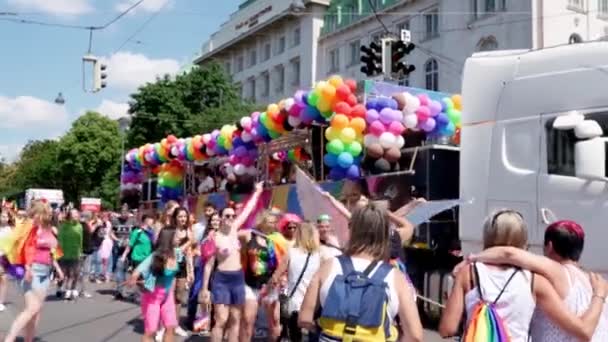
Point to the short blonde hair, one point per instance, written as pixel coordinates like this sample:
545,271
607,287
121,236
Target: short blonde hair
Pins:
261,221
369,232
41,213
505,228
306,237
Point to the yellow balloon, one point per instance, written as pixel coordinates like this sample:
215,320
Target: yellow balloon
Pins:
348,135
457,100
319,87
332,133
324,105
335,81
329,92
272,109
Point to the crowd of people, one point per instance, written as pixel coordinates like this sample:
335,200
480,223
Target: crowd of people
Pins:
305,281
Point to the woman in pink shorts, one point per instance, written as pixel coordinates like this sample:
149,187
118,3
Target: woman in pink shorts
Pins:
158,272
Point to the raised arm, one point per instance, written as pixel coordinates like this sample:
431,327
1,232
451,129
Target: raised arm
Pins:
404,228
580,327
248,209
544,266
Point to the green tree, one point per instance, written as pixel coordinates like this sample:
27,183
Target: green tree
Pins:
192,103
38,166
89,156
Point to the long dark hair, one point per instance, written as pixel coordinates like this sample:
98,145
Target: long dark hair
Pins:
163,250
176,212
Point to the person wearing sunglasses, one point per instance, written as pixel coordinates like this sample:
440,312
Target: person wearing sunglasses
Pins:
287,226
228,285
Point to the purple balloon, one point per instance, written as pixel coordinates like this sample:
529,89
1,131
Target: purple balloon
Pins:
240,151
353,172
371,116
386,116
442,119
384,102
393,104
299,96
428,125
435,108
337,173
372,104
397,115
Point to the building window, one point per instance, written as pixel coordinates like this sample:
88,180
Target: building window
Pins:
575,38
602,8
253,57
240,63
404,81
576,4
296,37
431,68
355,52
431,20
239,89
295,72
228,67
280,46
403,26
252,89
487,44
280,79
351,12
265,84
482,8
266,51
331,20
334,60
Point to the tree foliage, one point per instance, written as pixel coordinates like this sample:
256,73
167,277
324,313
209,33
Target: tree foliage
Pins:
38,166
192,103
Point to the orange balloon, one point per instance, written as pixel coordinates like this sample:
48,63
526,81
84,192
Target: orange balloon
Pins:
329,92
358,124
339,122
335,81
324,105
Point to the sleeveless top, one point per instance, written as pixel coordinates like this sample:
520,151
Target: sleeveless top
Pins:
577,300
515,306
259,264
297,260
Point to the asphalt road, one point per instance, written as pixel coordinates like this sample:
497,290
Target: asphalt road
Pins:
99,319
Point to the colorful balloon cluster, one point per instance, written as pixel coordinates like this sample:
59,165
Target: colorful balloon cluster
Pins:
171,181
436,118
384,139
243,154
131,179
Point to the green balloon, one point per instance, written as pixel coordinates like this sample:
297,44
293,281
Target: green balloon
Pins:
221,141
291,155
335,146
264,119
354,148
313,99
273,134
454,116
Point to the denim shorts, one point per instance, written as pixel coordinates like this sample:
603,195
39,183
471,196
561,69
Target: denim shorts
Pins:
41,279
228,288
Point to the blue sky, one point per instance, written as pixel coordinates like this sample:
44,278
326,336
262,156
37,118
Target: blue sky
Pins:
38,62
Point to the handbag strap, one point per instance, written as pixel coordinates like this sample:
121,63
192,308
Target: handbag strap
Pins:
295,286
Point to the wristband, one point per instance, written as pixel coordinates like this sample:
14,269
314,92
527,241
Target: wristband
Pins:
603,298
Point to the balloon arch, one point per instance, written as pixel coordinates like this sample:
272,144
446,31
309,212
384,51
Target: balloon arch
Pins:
369,122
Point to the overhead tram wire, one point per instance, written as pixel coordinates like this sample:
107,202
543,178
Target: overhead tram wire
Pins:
142,27
373,7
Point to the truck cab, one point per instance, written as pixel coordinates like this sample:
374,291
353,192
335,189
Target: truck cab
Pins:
533,139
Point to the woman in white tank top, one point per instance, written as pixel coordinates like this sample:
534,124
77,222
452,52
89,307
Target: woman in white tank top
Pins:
564,241
521,294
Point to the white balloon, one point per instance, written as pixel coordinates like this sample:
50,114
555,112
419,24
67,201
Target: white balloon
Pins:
410,121
289,103
246,137
400,142
174,150
229,169
370,139
293,121
387,140
239,169
252,170
412,103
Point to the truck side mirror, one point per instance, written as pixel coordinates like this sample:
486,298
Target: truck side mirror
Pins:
590,159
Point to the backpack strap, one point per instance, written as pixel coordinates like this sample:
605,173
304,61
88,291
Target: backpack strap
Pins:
477,281
346,264
383,270
506,284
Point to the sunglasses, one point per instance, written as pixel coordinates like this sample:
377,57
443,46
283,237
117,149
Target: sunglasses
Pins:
292,227
229,216
506,211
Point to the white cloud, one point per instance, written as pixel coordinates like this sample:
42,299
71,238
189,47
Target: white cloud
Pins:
55,7
146,6
127,70
113,110
30,112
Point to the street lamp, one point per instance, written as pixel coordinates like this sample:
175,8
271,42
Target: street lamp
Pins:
59,99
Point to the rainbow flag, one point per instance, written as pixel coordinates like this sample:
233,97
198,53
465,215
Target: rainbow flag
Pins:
486,325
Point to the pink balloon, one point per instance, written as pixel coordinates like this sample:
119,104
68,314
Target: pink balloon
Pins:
255,116
396,128
423,114
377,128
424,99
296,109
246,123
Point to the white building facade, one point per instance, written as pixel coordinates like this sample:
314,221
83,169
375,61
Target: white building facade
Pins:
269,47
448,32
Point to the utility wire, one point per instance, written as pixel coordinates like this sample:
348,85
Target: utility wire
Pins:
122,14
373,7
142,27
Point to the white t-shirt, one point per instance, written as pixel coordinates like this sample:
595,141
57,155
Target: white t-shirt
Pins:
4,232
297,260
328,252
207,185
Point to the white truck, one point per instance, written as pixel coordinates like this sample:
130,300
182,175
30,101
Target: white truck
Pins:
534,139
52,196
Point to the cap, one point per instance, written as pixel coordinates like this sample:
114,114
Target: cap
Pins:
323,218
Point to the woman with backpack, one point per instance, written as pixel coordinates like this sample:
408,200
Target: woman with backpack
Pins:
362,284
301,263
501,300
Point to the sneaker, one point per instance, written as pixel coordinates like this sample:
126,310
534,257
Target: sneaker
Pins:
159,335
119,296
59,293
68,295
87,295
181,332
2,307
75,294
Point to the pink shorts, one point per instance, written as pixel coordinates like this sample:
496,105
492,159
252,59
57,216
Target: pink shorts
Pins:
158,307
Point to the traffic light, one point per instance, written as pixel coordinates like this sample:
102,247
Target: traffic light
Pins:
99,76
372,59
399,50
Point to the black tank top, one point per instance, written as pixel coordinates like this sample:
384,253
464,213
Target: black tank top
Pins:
261,262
